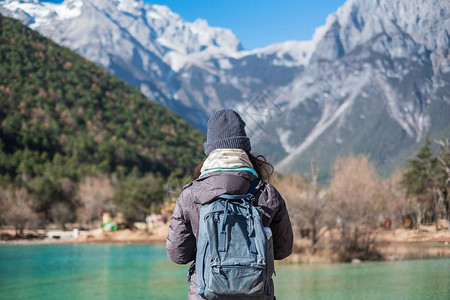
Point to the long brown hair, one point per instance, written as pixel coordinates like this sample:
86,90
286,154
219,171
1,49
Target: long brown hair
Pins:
263,168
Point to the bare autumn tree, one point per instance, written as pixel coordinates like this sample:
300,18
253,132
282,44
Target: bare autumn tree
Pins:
307,205
355,202
393,202
419,204
291,188
17,209
93,193
61,213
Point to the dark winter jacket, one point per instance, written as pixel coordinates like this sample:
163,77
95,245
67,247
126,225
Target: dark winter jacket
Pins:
183,229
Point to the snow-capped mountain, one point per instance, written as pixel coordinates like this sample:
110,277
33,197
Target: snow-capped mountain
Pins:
372,80
192,68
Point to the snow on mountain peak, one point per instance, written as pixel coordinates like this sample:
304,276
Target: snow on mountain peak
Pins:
128,5
156,28
289,53
42,11
172,30
71,9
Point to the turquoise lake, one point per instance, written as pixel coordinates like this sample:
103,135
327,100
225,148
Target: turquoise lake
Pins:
105,272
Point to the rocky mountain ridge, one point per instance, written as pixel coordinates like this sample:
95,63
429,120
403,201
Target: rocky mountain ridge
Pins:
372,80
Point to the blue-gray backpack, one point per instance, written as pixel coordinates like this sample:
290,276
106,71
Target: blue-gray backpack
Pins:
234,250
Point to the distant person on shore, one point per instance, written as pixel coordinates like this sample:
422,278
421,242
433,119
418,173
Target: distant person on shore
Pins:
224,234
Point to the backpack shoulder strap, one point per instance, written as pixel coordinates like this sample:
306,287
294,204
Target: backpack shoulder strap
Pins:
253,186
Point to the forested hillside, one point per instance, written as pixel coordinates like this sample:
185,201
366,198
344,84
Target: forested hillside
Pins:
62,118
62,114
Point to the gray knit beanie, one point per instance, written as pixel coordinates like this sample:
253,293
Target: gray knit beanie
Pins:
226,130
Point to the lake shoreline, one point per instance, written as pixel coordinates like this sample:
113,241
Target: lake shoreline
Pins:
391,245
395,251
398,244
96,236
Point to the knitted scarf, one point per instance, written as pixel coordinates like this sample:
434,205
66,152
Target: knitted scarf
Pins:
227,160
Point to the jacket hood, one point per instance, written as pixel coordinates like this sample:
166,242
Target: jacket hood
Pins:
207,188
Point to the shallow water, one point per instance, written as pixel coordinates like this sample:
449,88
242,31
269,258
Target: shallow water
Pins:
100,272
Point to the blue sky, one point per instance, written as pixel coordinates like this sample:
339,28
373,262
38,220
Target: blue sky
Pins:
257,23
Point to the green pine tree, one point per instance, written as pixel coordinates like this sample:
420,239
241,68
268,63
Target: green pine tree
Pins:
420,170
421,181
444,178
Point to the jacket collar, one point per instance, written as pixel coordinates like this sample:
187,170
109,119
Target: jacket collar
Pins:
207,188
